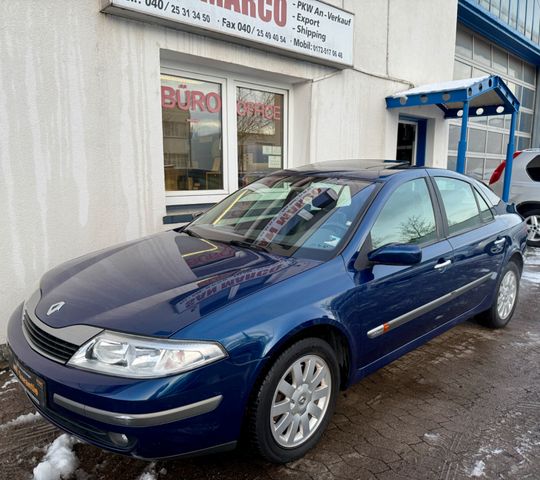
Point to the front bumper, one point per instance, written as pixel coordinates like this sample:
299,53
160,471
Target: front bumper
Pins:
190,413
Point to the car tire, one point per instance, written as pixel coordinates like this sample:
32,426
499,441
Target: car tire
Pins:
504,304
301,390
532,218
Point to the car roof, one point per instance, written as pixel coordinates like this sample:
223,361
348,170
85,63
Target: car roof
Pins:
527,154
370,170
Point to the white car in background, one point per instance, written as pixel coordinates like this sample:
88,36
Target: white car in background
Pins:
524,189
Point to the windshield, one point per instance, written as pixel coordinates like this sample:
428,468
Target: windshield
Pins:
305,216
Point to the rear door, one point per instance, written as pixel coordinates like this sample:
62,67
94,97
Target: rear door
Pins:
477,238
392,305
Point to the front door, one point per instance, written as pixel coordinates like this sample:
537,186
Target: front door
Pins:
394,305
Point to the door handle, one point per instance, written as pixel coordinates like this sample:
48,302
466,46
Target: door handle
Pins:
438,266
500,242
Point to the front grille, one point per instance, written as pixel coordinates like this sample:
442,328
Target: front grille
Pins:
47,344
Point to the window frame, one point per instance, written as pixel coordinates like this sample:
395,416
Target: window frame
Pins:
229,83
475,191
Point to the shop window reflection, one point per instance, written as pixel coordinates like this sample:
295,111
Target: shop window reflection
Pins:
260,123
192,134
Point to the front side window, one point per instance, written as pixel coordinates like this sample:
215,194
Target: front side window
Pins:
461,205
407,216
192,134
287,215
260,129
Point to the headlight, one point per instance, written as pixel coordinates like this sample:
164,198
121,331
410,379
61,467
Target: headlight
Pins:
139,357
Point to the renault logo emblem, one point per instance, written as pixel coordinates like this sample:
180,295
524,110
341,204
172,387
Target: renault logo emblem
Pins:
55,307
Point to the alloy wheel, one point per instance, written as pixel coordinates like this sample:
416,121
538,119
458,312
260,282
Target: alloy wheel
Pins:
300,401
507,294
533,228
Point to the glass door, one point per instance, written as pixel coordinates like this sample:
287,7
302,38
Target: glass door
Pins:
406,141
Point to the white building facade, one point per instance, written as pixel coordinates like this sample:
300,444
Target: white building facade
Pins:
112,128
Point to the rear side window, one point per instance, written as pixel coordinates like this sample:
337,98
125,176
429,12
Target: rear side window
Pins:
485,211
465,209
533,168
492,197
407,216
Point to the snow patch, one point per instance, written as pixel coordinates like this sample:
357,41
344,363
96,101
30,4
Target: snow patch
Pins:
526,444
533,277
148,476
533,341
441,86
9,382
149,472
489,451
535,337
60,461
532,260
20,420
478,469
433,437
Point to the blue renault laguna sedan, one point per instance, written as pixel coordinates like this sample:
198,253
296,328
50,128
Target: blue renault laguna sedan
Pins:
247,322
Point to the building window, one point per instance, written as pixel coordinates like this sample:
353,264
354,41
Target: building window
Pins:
520,15
192,134
219,134
259,129
488,136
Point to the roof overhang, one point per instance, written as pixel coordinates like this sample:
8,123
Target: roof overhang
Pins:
487,95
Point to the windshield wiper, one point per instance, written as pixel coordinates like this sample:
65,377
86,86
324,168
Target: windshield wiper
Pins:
246,244
237,243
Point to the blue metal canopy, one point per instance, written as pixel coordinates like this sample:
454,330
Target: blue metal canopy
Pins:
472,97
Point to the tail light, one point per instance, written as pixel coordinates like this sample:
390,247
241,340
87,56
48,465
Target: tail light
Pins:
496,175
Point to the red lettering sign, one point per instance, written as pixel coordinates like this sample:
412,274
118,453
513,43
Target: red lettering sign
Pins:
192,100
257,109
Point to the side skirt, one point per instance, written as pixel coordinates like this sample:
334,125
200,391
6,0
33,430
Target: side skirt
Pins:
399,352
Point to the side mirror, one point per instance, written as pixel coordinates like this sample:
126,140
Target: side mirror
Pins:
511,208
396,254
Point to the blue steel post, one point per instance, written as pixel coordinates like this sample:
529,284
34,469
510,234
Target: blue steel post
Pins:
462,147
509,158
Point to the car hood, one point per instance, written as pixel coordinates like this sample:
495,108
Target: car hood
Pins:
157,285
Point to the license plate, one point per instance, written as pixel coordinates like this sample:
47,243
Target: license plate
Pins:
33,384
